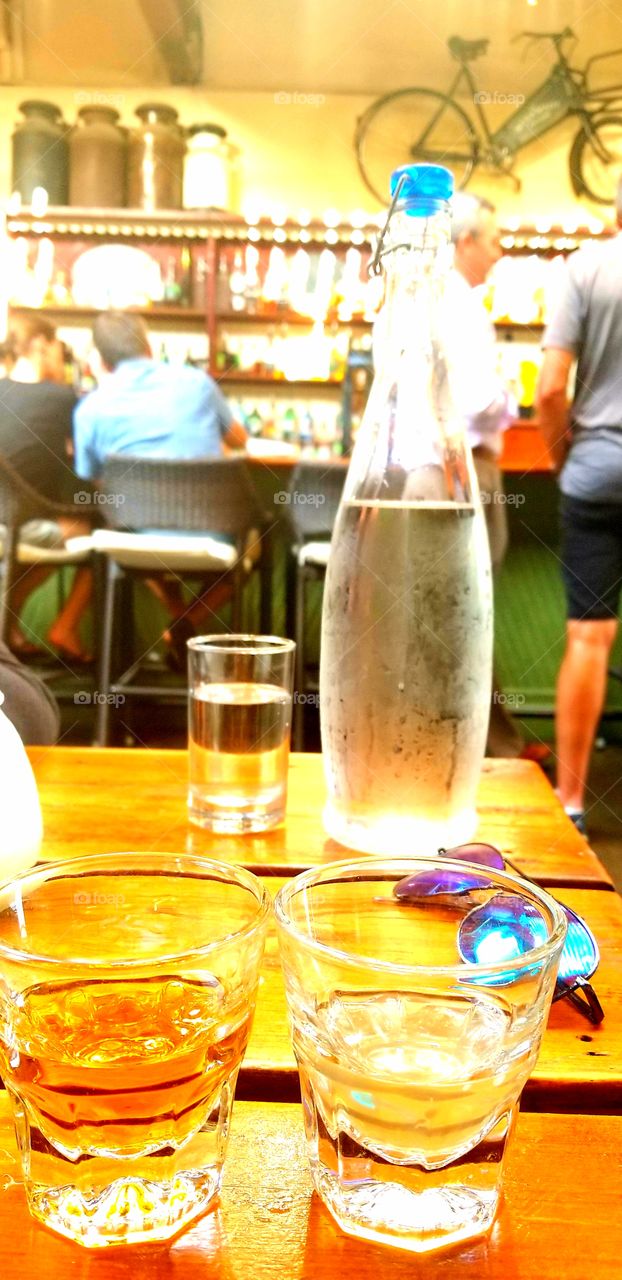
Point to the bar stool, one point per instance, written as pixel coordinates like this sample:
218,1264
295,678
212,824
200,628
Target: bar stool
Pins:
178,501
20,503
314,494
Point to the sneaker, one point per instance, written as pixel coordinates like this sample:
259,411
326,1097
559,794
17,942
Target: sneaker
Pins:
577,816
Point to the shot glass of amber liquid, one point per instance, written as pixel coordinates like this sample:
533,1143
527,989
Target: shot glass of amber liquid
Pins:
127,992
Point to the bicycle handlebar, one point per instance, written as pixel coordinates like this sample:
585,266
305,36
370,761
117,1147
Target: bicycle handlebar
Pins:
555,36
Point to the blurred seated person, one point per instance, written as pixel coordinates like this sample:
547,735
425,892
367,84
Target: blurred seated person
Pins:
146,408
36,419
28,704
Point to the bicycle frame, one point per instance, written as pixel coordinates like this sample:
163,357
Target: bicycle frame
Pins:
608,89
465,74
558,96
564,92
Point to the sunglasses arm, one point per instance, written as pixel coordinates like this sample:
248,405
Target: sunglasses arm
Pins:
584,998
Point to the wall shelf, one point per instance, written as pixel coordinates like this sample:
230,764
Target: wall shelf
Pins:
265,380
287,317
75,314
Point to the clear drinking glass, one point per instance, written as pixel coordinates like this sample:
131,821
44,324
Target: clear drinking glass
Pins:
127,992
411,1063
239,726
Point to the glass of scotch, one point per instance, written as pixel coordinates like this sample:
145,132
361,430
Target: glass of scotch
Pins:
127,992
239,728
416,1020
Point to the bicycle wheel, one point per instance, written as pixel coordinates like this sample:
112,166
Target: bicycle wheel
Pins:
596,163
413,126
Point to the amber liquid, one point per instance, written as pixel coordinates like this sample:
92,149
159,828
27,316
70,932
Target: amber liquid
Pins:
238,755
124,1091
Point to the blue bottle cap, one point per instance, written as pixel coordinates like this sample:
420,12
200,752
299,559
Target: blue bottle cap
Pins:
426,187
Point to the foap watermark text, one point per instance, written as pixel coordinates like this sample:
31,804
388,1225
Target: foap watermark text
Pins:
85,499
502,499
285,499
99,98
484,98
296,99
83,698
515,700
99,899
307,699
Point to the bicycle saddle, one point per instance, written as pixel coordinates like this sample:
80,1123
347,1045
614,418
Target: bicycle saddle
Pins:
466,50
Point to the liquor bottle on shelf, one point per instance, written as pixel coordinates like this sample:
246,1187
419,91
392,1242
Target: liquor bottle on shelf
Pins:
254,423
223,291
237,283
274,290
252,283
172,292
60,293
298,282
324,283
307,429
351,298
289,426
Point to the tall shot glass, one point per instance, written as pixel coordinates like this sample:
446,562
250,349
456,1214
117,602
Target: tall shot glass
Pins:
239,727
127,992
412,1062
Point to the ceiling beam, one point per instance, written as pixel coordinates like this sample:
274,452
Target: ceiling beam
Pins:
177,31
12,42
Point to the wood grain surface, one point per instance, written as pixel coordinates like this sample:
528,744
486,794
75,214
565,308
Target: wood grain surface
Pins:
579,1067
101,800
560,1218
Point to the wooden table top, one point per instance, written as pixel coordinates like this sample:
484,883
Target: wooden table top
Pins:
560,1216
106,799
579,1067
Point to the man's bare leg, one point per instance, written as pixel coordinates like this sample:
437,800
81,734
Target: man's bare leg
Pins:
29,579
64,633
170,596
581,690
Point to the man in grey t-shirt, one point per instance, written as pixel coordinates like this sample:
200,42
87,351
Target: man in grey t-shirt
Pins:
585,443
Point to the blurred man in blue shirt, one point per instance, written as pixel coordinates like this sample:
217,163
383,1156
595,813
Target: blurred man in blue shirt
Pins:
146,408
149,409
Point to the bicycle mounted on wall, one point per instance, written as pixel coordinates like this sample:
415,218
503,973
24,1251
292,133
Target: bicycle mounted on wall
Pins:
422,125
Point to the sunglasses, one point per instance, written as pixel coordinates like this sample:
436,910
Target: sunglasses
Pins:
507,927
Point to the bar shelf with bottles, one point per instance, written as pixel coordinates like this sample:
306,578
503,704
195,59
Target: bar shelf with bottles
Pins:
269,308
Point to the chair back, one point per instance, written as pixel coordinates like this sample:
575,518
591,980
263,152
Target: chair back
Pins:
18,500
207,495
314,495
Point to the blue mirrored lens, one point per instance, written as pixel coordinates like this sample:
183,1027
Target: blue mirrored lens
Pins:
504,928
507,927
580,957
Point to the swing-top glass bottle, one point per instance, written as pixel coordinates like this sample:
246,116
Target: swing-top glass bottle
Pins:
406,655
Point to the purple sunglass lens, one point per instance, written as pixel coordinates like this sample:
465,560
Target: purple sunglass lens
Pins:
430,884
484,855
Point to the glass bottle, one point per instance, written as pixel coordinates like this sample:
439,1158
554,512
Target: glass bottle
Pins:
406,654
